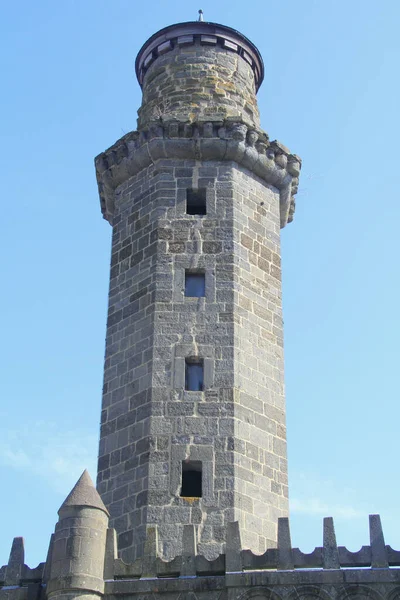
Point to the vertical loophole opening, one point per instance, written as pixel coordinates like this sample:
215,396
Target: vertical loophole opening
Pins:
195,284
191,479
194,374
196,202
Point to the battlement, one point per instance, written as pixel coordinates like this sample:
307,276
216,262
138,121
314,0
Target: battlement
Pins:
228,140
16,573
330,571
237,560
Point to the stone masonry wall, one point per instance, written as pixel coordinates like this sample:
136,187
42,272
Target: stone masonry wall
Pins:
123,466
260,422
199,81
150,423
329,572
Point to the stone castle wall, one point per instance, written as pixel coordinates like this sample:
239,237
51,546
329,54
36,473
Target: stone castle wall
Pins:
330,572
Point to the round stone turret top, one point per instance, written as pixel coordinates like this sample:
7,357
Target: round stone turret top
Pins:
230,38
199,71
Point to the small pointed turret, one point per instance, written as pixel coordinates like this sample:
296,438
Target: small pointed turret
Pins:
77,561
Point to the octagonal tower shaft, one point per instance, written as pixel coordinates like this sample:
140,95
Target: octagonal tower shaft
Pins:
193,419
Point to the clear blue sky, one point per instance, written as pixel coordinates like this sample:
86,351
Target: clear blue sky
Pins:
331,94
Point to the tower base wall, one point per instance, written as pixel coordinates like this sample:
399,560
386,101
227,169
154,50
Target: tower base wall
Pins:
233,428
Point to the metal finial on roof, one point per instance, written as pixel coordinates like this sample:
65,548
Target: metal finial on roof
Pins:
201,15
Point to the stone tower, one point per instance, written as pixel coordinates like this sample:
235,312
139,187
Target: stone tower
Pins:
193,413
192,462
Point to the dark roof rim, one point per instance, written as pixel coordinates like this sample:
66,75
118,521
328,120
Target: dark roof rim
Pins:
201,24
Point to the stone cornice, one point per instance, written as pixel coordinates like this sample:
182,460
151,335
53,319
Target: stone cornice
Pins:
230,141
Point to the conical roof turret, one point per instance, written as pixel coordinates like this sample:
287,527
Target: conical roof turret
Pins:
84,493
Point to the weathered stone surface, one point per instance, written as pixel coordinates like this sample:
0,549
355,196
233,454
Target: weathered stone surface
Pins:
198,130
281,573
200,70
83,494
16,560
201,82
77,556
237,423
206,141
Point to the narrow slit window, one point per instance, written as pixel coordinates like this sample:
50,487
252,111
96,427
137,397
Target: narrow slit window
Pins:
191,479
195,284
196,202
194,373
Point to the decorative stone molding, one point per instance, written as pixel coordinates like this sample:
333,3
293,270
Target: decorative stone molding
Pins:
211,140
308,592
259,593
359,592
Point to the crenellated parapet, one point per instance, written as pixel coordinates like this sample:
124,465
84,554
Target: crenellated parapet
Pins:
201,141
83,563
283,558
16,572
17,580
